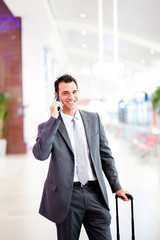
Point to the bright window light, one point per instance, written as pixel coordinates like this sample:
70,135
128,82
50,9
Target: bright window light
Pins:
142,77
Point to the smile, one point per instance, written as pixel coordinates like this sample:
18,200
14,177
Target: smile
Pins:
71,101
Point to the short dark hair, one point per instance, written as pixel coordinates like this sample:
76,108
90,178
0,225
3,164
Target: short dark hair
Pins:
64,78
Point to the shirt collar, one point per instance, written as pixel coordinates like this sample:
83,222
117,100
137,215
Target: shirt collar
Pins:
67,118
77,115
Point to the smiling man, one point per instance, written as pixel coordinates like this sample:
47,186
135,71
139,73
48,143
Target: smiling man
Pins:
67,93
74,191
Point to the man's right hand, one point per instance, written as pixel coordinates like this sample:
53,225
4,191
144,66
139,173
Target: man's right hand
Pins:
54,108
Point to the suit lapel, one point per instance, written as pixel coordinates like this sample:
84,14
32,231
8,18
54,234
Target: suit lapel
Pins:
87,126
63,131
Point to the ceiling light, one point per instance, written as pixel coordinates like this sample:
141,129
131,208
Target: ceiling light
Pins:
84,45
82,15
151,51
83,32
142,61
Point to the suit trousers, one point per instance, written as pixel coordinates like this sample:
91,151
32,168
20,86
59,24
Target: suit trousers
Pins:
88,208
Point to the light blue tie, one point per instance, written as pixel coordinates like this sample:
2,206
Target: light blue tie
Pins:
81,157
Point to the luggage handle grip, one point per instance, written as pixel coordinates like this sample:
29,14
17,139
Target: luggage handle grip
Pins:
127,195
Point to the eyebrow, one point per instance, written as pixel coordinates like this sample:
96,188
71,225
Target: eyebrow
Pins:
71,91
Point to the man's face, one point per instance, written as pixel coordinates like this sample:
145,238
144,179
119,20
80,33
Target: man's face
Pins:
68,94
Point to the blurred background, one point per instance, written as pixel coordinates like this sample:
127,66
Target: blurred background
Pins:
112,48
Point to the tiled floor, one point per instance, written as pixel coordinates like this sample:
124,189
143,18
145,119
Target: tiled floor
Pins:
21,183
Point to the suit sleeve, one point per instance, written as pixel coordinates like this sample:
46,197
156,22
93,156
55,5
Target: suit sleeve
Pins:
108,162
45,138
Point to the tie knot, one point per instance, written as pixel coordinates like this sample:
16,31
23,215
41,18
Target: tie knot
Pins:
74,119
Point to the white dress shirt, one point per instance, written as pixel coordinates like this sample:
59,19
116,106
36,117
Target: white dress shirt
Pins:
67,119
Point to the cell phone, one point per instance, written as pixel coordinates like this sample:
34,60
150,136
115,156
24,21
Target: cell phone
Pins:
57,99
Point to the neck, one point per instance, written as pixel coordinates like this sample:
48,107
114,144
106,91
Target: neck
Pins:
71,112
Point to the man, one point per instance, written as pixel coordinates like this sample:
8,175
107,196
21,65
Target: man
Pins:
74,191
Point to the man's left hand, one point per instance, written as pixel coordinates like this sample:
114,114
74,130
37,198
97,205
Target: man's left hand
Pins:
122,194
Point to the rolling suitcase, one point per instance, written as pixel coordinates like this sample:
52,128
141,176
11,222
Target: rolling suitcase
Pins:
132,217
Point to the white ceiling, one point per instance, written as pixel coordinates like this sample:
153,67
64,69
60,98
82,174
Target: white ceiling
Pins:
138,34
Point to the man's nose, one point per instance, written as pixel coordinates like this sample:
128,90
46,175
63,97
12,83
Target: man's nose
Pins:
71,95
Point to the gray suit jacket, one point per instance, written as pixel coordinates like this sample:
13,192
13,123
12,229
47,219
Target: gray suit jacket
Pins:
53,139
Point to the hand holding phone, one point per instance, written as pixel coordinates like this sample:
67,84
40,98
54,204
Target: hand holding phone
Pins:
56,106
57,99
